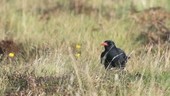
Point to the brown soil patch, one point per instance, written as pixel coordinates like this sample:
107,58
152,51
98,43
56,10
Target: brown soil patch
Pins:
8,46
151,15
153,24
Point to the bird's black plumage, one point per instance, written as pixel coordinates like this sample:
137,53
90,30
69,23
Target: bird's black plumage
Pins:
113,56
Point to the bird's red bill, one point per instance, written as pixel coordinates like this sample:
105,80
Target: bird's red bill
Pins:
104,44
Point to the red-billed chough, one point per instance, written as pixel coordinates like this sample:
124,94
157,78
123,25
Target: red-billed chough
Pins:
113,57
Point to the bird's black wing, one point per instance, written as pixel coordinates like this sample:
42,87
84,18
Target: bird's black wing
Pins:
122,58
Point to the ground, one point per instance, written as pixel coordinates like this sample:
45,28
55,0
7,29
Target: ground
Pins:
47,61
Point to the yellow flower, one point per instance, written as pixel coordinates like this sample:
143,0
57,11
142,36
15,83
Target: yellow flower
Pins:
11,54
78,46
77,55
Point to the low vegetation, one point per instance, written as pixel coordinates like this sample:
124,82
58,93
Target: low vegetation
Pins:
52,47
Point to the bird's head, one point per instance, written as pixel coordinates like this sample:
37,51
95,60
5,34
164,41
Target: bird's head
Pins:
108,44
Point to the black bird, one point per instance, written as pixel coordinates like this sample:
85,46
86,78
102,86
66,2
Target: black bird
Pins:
113,57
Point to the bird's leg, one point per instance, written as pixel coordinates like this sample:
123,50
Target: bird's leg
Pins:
108,66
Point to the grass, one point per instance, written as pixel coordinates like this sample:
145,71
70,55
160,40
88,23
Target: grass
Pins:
49,67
